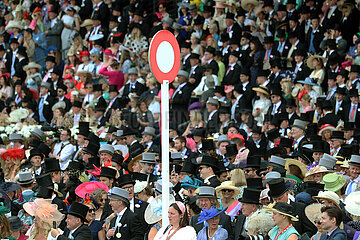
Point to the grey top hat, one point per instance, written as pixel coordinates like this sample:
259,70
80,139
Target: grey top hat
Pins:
37,132
45,85
148,158
149,131
270,176
25,177
328,161
107,148
210,82
192,7
206,191
222,138
355,160
183,73
168,20
176,155
277,160
213,101
132,71
299,124
158,187
119,193
15,137
177,26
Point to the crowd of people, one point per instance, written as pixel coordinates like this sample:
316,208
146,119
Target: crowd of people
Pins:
264,120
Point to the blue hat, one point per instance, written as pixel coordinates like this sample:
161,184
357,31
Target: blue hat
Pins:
207,214
190,182
308,81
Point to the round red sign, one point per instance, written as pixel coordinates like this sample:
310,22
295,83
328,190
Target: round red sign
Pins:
164,56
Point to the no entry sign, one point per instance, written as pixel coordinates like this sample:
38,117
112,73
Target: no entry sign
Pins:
164,56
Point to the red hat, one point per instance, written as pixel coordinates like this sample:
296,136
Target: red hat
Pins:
84,54
37,9
109,52
13,154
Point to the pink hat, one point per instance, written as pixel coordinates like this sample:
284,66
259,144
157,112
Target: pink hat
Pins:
109,52
89,187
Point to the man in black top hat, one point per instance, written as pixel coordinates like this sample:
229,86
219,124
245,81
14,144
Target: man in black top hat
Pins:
133,86
80,143
52,166
329,116
207,168
196,71
232,74
351,111
36,159
299,67
291,110
45,103
279,193
277,105
185,48
314,35
108,176
115,102
135,205
11,58
61,90
75,224
135,148
209,58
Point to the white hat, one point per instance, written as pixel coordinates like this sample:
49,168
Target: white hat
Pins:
139,186
352,203
153,212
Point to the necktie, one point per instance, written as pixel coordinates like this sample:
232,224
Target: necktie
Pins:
274,110
297,68
352,115
349,188
329,95
229,69
266,55
70,235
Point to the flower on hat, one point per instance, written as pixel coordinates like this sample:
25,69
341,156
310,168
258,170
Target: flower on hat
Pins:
207,214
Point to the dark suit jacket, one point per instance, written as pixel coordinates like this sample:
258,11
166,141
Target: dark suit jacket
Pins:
9,56
53,38
303,225
82,233
180,104
239,226
47,111
213,125
347,112
235,31
338,234
138,89
215,67
318,37
329,23
19,67
139,210
280,109
213,182
293,117
303,72
225,222
232,76
129,227
197,75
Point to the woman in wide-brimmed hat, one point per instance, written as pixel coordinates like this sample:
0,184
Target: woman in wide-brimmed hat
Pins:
261,106
326,132
313,213
213,230
226,193
283,216
316,173
45,214
16,28
317,63
33,78
10,162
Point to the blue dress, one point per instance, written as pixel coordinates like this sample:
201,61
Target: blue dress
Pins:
95,227
220,234
40,51
285,235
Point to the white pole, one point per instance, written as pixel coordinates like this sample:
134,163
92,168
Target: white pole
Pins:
165,150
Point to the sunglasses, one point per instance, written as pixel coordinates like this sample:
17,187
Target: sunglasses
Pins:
91,210
317,222
248,170
227,190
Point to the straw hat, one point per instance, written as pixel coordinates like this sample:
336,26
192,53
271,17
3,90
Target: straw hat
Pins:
262,89
133,161
87,22
316,169
352,203
328,195
301,165
282,208
312,210
18,114
32,65
311,58
227,185
87,73
244,4
14,24
153,212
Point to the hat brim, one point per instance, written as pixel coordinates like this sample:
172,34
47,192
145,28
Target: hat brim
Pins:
78,215
308,83
256,89
273,210
220,188
296,163
208,217
311,58
327,128
244,4
327,198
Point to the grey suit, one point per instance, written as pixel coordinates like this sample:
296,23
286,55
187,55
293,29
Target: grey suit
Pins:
53,38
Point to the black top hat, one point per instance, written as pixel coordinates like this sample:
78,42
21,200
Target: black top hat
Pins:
250,195
113,88
281,32
253,162
343,72
189,167
305,154
247,35
125,179
93,161
318,146
341,91
36,152
185,44
79,210
44,149
326,104
128,131
97,87
337,135
235,54
139,176
281,8
255,183
277,187
50,59
14,40
15,223
210,161
77,104
34,143
198,21
44,192
268,3
112,129
52,165
355,68
290,102
230,15
44,180
118,158
353,92
61,85
313,188
108,172
75,165
194,56
268,39
210,50
272,134
348,126
231,150
199,132
207,144
92,148
56,71
224,37
286,142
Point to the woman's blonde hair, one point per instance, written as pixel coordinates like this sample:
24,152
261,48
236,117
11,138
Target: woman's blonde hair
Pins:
98,193
150,77
197,115
5,230
138,34
238,177
287,85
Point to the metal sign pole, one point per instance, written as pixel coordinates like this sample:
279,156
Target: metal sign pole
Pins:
165,150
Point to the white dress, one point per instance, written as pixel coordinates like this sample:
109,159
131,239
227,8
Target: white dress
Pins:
67,34
187,233
263,104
